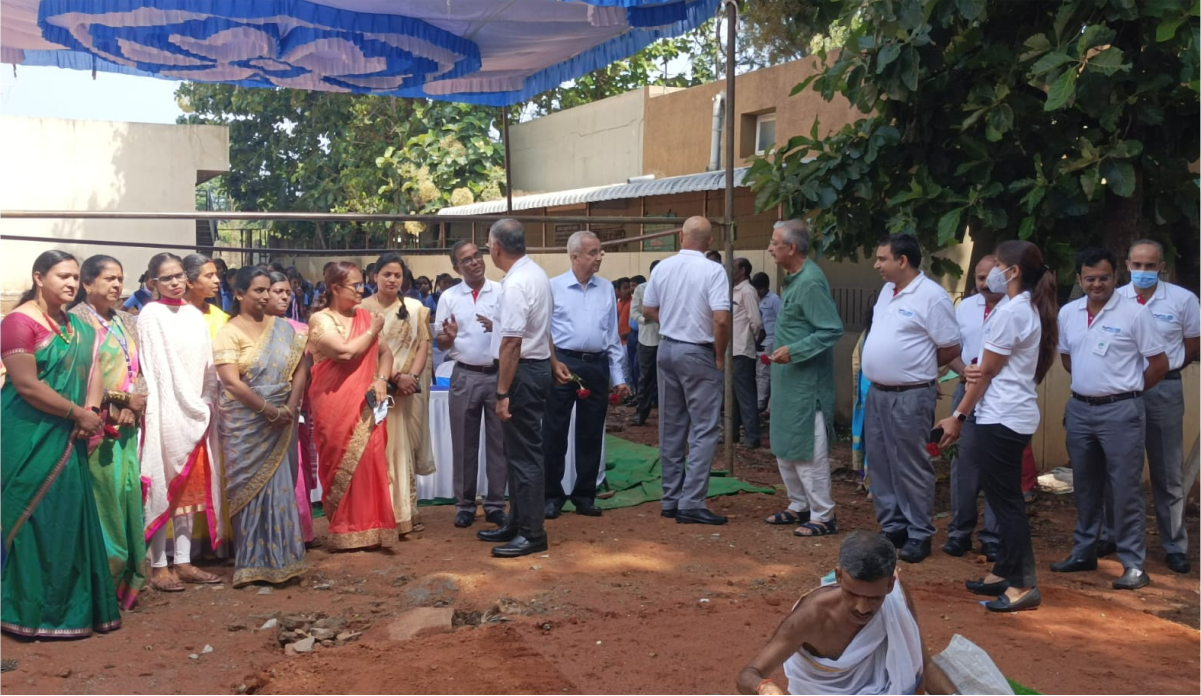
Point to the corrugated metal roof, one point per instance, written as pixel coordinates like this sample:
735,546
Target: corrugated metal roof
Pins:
706,181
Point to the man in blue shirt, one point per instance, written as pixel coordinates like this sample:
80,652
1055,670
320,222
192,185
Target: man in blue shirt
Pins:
769,308
583,329
139,298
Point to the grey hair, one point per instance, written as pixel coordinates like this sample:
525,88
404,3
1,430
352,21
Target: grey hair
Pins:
867,556
1149,242
796,233
192,263
509,235
576,240
454,251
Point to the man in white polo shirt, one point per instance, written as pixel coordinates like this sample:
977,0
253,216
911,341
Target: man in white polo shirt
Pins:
464,323
1105,340
1178,318
971,314
521,345
914,332
690,298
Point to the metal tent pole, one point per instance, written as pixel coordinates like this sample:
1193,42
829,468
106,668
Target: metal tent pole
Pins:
508,161
728,218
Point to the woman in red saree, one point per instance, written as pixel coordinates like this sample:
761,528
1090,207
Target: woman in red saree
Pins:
352,460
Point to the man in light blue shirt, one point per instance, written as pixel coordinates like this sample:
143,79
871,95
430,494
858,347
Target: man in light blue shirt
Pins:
583,328
769,308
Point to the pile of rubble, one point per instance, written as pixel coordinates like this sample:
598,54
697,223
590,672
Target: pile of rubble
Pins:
303,633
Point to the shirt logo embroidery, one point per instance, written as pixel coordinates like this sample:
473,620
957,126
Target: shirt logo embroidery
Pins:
1166,317
904,312
1111,329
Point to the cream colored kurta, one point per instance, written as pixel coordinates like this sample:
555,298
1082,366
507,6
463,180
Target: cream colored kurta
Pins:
408,420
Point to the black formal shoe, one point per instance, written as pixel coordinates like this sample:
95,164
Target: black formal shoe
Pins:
1105,548
988,589
754,444
497,517
898,539
1178,563
957,546
915,550
464,518
1132,580
1071,564
669,514
586,507
553,509
506,533
990,551
636,421
519,546
699,516
1002,605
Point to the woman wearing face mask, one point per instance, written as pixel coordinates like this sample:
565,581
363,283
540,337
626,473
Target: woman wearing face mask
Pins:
1017,349
407,334
113,454
260,360
179,448
280,297
55,581
350,372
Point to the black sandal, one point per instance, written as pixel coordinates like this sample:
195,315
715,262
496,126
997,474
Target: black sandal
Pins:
817,529
786,517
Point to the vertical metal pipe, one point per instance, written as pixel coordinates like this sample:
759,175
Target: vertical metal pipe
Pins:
728,215
508,163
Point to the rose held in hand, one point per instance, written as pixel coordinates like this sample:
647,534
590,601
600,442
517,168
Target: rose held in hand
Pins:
581,392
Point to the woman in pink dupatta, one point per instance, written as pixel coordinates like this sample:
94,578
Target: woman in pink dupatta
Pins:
349,361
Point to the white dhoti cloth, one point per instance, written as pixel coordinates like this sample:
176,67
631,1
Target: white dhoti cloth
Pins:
884,658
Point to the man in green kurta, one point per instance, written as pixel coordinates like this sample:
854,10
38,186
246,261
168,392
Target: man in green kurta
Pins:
802,383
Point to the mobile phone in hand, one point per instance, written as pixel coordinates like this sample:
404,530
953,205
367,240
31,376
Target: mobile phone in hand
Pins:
936,436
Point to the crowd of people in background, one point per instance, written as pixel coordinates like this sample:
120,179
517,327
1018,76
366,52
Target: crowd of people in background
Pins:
202,412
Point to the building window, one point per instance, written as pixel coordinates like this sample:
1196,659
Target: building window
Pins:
765,132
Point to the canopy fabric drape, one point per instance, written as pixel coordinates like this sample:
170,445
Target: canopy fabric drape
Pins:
490,52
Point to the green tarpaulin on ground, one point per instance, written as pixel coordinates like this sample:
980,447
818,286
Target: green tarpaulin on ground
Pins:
632,474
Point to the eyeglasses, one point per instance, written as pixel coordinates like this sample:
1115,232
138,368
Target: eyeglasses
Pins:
476,257
357,287
167,279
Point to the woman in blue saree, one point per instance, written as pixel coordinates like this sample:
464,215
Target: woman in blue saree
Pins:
260,360
55,579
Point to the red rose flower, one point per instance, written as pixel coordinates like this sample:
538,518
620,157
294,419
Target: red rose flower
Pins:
764,359
583,393
933,449
110,431
614,399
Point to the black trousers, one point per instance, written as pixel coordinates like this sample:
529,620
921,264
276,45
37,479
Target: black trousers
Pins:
523,447
648,379
746,398
998,450
589,427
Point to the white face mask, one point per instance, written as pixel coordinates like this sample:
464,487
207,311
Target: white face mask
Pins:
997,283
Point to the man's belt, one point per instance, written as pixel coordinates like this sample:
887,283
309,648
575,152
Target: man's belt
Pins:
485,369
1102,400
578,355
902,387
528,361
1172,374
707,346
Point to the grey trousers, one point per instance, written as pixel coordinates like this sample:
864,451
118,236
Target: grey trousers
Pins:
690,391
1164,404
1105,445
523,448
965,484
746,399
896,429
472,396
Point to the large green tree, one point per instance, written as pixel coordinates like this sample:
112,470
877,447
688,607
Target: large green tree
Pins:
1066,122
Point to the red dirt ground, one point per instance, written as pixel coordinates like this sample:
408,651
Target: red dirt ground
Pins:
616,607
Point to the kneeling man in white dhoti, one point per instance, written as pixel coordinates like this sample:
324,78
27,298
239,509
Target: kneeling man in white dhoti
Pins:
856,635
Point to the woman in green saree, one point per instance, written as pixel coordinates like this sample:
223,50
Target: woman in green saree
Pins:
55,579
261,362
113,456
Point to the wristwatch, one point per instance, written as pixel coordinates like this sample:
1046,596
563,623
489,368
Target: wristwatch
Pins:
961,417
501,396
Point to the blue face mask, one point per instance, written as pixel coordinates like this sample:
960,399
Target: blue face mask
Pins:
1144,279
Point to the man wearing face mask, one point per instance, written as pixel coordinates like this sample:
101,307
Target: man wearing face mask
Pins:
1178,318
971,314
1114,352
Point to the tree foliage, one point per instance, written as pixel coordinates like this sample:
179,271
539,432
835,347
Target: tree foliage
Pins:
1066,122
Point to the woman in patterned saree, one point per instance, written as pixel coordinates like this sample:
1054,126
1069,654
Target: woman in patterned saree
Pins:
113,457
55,578
407,334
260,361
179,449
348,362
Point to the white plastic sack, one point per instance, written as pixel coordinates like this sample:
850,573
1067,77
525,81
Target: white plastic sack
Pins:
971,669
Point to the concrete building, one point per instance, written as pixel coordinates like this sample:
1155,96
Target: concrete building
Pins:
53,164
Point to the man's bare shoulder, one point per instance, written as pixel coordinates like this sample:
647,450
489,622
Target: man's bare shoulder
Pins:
811,611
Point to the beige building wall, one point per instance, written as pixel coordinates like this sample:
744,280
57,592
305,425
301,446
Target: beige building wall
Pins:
53,164
590,145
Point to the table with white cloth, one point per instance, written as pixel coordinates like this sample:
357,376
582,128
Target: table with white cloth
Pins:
441,483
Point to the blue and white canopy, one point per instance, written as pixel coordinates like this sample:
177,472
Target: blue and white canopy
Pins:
491,52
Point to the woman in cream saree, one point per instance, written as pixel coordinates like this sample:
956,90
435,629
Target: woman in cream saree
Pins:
407,334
